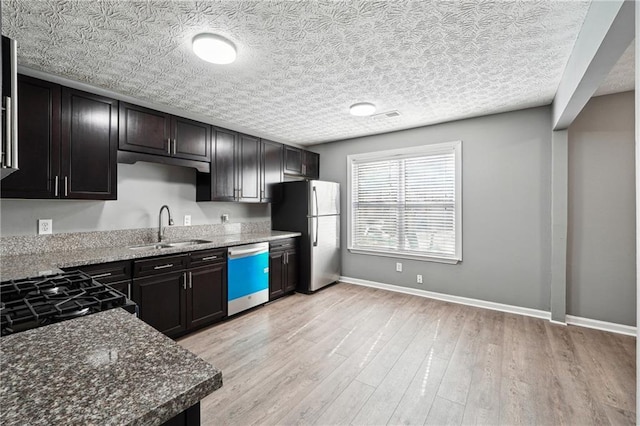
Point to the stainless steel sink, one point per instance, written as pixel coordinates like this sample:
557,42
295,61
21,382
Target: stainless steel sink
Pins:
158,246
155,246
186,243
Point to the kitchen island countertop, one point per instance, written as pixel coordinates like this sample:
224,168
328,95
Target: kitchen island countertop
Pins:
29,265
106,368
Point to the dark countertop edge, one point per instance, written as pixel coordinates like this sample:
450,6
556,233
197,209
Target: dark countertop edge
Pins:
83,257
181,402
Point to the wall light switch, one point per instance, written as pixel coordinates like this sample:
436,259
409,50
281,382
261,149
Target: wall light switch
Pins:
45,226
398,267
224,218
187,220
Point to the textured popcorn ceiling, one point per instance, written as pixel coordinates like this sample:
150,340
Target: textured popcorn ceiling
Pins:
301,64
622,76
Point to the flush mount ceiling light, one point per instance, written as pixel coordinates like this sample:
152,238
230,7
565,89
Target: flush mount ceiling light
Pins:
362,109
214,48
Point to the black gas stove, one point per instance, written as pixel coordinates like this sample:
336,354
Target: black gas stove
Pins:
38,301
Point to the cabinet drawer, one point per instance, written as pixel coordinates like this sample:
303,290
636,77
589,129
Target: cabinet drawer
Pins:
206,257
288,243
159,265
107,273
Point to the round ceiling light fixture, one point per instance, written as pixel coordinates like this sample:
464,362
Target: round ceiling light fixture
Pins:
362,109
214,48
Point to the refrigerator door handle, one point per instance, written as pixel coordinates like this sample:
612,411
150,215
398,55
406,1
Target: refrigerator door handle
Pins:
315,237
315,197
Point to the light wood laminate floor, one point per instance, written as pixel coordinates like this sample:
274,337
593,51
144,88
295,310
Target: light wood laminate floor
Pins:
356,355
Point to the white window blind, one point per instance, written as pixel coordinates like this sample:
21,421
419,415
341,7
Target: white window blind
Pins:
406,202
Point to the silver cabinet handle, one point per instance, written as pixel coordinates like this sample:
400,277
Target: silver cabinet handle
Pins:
168,265
106,274
209,258
66,186
184,281
56,186
175,149
169,146
8,137
190,279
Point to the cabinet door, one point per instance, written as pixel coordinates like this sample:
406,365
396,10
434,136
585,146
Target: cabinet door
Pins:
161,301
39,141
291,279
292,160
207,295
311,165
276,274
271,169
191,139
144,130
248,168
89,146
223,165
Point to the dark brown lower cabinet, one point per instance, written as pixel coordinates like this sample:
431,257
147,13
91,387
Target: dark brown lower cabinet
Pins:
283,268
161,301
189,417
207,295
177,294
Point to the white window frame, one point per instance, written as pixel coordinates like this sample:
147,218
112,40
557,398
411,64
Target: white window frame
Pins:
408,153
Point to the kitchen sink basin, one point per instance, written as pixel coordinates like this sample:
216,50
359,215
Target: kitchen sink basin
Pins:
155,246
158,246
186,243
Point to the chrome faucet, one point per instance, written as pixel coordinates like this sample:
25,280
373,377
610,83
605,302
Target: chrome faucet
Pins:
160,228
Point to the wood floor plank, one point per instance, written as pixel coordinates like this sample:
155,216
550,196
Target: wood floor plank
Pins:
346,405
382,404
483,400
351,354
444,412
416,401
457,379
581,405
313,404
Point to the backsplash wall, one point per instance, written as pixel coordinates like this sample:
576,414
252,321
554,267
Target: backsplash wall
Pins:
142,189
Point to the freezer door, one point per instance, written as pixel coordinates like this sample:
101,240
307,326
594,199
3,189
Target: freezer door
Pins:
324,198
325,250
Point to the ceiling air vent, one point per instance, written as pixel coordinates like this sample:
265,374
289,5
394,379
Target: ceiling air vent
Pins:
386,115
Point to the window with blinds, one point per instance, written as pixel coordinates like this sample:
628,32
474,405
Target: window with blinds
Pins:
406,203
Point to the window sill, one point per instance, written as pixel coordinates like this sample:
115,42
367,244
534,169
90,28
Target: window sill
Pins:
450,261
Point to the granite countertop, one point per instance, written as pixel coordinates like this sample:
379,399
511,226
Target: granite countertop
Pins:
107,368
28,265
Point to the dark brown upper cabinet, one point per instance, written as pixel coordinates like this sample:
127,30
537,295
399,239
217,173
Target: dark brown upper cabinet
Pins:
248,165
272,169
298,162
235,169
68,144
147,131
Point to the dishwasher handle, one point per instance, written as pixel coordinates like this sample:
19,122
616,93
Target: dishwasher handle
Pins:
248,250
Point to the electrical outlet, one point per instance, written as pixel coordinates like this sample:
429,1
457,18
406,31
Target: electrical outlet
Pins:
398,267
224,218
187,220
45,226
419,279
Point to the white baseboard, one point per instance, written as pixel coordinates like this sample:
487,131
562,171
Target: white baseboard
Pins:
602,325
535,313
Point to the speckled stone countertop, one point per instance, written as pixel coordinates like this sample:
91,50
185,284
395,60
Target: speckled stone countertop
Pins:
29,265
108,368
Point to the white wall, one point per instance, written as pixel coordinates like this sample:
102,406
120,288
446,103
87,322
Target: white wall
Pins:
142,189
506,207
601,221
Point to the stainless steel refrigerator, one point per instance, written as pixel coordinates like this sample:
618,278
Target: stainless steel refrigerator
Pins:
312,208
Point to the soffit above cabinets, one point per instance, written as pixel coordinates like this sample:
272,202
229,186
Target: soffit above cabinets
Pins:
302,64
622,76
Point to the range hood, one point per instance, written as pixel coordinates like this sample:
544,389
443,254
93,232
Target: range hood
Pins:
9,134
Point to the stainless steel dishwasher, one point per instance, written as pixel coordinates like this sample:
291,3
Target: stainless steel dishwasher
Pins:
247,277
